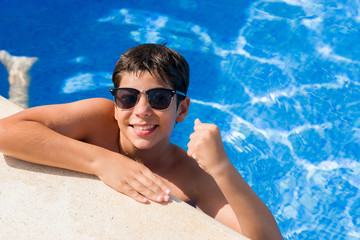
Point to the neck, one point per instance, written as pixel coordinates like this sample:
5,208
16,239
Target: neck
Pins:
154,158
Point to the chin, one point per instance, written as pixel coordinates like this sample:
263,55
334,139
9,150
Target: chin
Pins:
143,145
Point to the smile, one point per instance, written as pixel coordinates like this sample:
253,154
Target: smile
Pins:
142,130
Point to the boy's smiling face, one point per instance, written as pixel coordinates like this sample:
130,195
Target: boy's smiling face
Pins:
143,127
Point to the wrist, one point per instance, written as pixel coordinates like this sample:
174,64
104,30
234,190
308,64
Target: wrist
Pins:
221,169
100,161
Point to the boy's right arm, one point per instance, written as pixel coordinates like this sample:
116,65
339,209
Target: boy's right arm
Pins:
72,136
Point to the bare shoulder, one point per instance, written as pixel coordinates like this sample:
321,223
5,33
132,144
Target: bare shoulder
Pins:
87,107
92,119
99,109
90,106
80,120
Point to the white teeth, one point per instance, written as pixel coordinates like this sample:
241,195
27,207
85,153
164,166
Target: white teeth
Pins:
144,128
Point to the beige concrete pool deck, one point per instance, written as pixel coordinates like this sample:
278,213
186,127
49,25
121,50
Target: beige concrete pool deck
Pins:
39,202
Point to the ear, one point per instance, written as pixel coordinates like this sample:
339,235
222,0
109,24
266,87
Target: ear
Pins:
183,109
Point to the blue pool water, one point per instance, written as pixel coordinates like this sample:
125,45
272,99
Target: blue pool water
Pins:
279,77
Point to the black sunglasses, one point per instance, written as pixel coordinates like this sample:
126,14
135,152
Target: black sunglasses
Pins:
158,98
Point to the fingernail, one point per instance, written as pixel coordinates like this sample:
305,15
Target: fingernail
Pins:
159,198
166,198
167,191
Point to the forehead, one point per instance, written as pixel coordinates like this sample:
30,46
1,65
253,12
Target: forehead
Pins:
142,80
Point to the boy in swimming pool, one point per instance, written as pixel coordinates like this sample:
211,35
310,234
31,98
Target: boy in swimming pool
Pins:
127,144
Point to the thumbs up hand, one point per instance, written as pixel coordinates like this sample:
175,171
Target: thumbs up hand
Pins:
206,147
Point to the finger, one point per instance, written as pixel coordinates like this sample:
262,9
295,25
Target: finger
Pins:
190,144
191,154
154,178
164,187
136,196
148,189
193,136
199,125
143,190
151,186
206,127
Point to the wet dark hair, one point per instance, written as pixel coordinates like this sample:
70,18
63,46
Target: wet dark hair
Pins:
158,60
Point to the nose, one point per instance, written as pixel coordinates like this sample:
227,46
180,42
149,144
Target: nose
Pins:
142,108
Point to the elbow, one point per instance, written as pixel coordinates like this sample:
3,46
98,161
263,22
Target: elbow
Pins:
5,133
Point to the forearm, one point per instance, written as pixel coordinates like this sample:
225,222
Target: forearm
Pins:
254,217
44,146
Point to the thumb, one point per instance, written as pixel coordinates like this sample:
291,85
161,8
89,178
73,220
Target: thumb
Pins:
197,122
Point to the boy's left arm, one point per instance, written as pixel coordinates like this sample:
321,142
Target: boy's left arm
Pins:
252,215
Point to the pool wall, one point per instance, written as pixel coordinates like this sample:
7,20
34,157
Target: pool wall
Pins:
40,202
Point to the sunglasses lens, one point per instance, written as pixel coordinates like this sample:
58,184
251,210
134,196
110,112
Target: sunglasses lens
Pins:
126,98
159,98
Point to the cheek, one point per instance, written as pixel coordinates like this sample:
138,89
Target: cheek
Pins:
120,116
171,119
116,113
